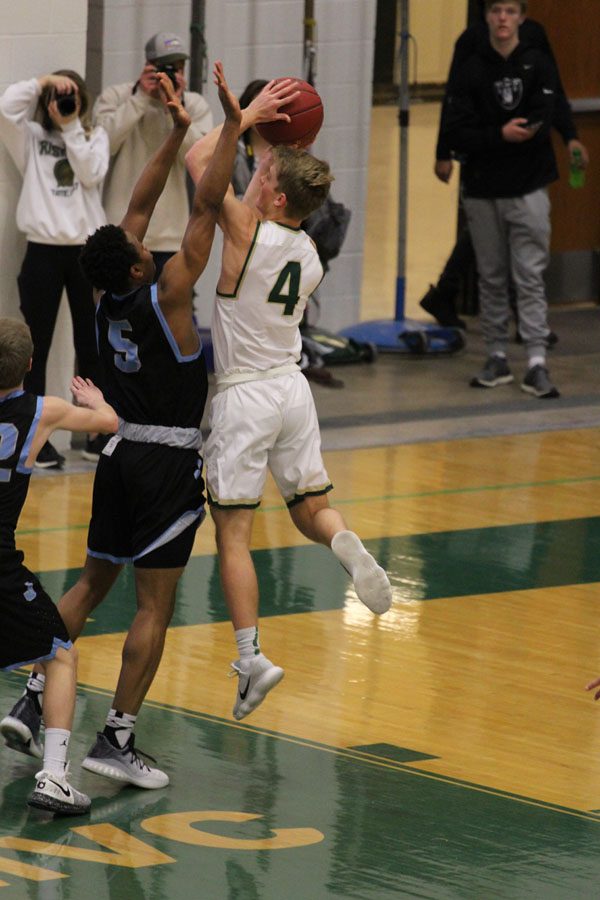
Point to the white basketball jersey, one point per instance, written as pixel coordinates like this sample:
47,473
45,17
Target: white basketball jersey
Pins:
256,327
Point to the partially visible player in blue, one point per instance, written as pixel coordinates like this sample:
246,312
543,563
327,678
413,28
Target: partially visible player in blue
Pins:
148,491
31,628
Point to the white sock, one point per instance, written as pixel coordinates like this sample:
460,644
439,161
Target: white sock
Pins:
56,747
119,726
537,361
348,548
247,642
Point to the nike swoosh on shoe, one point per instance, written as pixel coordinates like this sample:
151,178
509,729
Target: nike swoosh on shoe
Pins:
244,693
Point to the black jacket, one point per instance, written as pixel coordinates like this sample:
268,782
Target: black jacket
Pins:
531,34
489,91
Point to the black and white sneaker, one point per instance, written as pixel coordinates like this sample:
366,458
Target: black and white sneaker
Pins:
123,764
21,728
257,676
49,458
54,794
537,382
494,372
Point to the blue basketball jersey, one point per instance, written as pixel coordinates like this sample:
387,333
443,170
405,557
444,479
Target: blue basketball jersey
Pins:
19,416
147,379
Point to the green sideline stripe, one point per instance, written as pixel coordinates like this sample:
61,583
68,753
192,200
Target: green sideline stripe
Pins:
389,830
379,755
422,567
410,495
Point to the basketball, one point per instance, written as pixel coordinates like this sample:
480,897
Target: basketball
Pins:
306,113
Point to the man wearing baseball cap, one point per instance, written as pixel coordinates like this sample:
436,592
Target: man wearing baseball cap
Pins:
136,123
165,47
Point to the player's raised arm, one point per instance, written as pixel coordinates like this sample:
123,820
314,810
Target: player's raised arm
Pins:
151,182
184,269
211,187
265,107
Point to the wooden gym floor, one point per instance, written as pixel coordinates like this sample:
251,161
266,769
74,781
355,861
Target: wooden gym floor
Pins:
445,750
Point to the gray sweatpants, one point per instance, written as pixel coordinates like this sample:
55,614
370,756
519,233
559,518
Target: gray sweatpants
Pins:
511,237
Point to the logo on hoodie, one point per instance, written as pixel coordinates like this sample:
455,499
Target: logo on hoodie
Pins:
509,92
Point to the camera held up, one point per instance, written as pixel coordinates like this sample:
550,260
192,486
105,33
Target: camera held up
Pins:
170,70
66,103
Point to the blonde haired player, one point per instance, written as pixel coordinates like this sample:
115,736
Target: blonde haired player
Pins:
263,415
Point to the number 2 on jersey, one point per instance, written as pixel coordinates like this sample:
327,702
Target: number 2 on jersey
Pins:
288,278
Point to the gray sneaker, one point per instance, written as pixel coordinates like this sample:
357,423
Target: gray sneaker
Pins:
123,765
494,372
21,728
538,383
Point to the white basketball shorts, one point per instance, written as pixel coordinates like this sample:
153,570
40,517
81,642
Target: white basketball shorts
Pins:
259,425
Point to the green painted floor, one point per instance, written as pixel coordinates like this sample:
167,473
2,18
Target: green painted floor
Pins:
363,822
388,830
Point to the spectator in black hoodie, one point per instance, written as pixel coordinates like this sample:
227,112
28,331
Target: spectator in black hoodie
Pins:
440,299
499,117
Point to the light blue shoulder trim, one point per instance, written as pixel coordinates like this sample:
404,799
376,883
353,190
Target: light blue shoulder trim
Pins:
165,327
12,395
96,328
21,467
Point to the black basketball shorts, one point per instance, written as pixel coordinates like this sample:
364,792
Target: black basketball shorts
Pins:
31,629
148,501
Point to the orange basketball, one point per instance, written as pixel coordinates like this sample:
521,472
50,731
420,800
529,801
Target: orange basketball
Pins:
306,113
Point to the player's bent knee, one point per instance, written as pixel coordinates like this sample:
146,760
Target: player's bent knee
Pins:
65,656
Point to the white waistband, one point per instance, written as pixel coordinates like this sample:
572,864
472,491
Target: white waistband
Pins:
171,436
225,381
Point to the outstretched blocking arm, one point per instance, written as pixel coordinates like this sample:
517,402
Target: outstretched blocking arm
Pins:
185,267
151,182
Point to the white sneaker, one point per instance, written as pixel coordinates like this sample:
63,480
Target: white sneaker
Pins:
123,765
371,583
55,794
257,676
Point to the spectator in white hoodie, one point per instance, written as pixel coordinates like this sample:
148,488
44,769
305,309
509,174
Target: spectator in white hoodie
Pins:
44,124
137,122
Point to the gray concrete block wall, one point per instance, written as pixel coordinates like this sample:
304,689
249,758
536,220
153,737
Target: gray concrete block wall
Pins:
344,78
127,25
265,39
262,38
